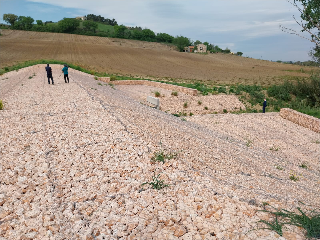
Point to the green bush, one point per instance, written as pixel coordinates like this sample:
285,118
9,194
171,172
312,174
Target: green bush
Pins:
222,90
1,105
281,92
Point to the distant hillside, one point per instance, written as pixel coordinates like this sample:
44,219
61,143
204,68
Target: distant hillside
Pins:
138,58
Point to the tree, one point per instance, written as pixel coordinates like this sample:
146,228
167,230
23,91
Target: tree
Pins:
137,34
23,23
101,19
239,53
90,25
227,50
310,15
120,31
148,35
164,37
39,22
10,18
181,42
197,42
209,46
68,25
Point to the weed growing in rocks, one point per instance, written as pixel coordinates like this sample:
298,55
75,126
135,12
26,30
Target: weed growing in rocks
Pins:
310,221
225,111
162,156
304,165
183,119
294,177
100,84
111,85
185,105
1,105
274,148
95,78
156,183
199,102
249,143
279,167
273,226
191,114
174,93
316,141
206,108
157,94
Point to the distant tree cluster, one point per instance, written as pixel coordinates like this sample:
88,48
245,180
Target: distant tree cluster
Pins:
92,26
101,19
19,22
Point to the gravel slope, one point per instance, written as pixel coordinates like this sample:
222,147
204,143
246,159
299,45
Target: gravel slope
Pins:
74,156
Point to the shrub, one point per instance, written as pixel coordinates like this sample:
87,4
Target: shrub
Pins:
1,105
113,78
199,102
191,114
225,111
96,78
205,108
174,93
157,94
92,72
281,92
222,90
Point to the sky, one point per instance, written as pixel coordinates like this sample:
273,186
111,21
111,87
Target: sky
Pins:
248,26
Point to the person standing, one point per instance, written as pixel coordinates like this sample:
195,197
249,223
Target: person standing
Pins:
264,106
49,73
65,72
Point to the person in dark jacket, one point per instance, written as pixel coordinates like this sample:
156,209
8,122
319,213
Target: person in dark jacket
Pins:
264,106
65,72
49,74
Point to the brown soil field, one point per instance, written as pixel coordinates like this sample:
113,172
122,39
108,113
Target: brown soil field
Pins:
145,59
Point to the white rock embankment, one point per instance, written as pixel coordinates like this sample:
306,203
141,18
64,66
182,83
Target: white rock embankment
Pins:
73,158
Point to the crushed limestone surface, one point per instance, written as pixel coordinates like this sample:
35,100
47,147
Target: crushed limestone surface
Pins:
73,158
197,105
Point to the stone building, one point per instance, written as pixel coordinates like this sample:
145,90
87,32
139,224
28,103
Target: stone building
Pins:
201,48
83,18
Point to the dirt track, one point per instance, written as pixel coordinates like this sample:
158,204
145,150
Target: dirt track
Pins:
130,57
74,156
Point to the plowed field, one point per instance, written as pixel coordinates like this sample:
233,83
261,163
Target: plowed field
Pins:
140,58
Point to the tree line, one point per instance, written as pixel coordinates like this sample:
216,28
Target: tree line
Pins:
90,26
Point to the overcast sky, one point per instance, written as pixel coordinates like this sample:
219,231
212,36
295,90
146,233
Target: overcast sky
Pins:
249,26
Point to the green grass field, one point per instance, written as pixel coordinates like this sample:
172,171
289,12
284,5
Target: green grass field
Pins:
105,28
